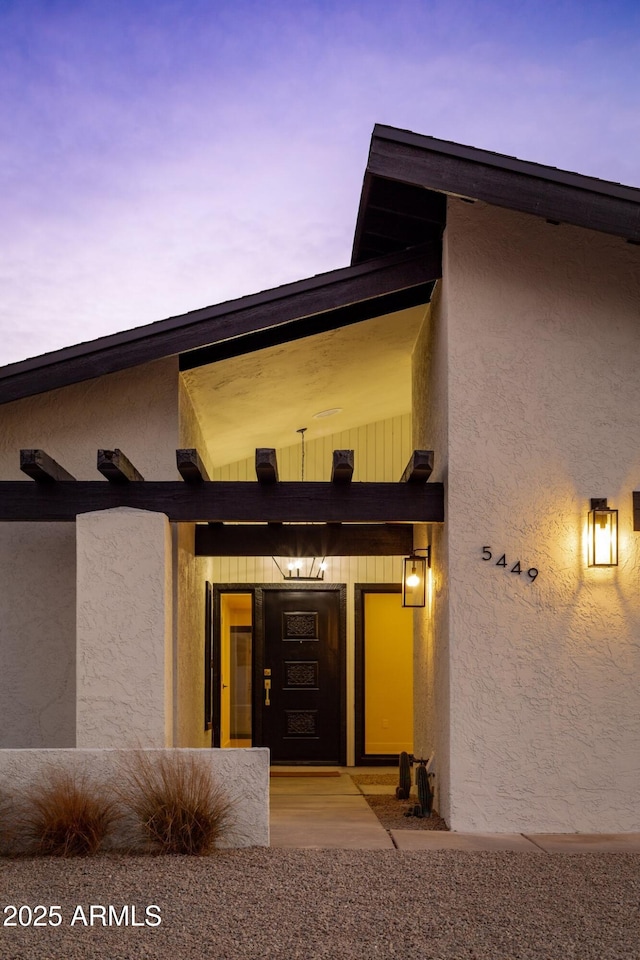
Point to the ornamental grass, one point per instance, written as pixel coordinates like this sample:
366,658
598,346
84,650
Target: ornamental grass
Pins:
7,825
177,805
66,816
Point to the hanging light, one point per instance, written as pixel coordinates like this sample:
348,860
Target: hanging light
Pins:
302,568
602,535
414,578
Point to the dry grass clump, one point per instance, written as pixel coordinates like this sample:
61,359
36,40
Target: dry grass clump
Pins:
176,802
7,825
66,816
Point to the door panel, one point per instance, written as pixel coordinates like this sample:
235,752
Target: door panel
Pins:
300,677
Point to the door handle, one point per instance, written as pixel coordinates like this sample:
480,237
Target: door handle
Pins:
267,693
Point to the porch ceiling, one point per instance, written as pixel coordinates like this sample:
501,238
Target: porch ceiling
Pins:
260,399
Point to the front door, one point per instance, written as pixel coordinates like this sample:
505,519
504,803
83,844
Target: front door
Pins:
299,682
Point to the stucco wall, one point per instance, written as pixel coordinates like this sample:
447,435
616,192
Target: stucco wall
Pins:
243,775
189,587
124,670
431,624
189,607
190,428
135,410
37,634
544,348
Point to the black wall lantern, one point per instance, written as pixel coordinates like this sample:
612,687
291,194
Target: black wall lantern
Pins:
414,577
603,535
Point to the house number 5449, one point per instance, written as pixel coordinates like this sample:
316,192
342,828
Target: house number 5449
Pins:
532,573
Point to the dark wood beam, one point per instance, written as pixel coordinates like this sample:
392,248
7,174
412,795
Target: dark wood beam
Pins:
419,468
116,467
41,467
190,466
636,511
305,540
342,467
227,501
266,465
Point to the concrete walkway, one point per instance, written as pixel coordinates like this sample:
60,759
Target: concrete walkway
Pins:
324,809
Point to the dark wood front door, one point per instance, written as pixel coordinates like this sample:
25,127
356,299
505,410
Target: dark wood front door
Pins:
299,680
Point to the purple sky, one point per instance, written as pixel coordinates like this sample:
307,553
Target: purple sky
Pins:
159,156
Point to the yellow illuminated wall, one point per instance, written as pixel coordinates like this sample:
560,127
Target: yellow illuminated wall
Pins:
388,674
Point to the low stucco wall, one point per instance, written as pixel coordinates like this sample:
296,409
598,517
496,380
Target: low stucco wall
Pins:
244,775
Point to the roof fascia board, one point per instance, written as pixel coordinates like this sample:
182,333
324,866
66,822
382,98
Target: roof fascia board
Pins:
503,161
210,325
506,182
362,207
343,316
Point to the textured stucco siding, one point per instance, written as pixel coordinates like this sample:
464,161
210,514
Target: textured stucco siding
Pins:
189,664
124,671
431,624
243,775
135,410
37,634
189,606
544,403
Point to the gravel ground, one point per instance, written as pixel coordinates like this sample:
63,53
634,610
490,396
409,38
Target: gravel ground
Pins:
390,812
287,904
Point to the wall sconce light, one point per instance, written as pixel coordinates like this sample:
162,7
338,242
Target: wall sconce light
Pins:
414,577
603,535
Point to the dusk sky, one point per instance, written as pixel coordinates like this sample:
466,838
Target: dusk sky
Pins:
160,156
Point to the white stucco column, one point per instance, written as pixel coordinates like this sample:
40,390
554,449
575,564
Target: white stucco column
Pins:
124,629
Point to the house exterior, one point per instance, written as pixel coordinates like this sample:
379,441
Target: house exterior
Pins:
490,315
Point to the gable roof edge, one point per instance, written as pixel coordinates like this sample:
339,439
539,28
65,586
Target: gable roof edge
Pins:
401,161
503,161
282,305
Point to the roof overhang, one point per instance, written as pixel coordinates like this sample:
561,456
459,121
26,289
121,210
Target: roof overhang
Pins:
296,310
409,176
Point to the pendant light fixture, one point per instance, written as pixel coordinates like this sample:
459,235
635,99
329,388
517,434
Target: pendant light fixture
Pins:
302,568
